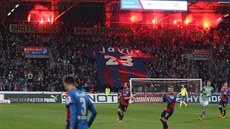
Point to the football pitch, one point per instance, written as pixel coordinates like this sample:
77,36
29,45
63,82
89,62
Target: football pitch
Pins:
138,116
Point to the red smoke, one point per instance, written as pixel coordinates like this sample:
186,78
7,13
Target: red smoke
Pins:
41,15
188,19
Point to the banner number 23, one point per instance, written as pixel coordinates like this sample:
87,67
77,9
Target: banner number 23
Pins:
124,60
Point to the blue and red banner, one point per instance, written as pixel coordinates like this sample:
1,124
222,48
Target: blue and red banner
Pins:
117,65
36,51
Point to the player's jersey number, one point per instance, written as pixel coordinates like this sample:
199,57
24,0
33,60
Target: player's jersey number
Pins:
84,108
124,60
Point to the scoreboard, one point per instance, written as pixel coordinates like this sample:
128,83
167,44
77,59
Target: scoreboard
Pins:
154,5
173,5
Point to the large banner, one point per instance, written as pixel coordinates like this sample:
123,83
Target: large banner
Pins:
101,31
150,32
33,98
99,98
17,28
175,32
117,65
36,51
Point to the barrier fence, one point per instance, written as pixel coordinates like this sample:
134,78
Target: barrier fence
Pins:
59,97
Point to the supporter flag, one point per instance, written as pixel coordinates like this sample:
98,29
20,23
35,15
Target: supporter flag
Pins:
117,65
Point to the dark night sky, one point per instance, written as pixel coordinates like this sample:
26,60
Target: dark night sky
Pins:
81,12
85,12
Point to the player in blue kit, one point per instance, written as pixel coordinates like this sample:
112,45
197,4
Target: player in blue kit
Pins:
77,104
170,99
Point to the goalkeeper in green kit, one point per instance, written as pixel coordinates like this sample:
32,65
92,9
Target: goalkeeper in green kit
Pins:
206,93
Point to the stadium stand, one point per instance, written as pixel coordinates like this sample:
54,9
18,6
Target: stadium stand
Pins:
22,74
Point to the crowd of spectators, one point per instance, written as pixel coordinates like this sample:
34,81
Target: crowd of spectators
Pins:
18,73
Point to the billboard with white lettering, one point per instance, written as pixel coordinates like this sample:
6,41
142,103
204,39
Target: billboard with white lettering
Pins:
33,98
158,98
18,28
99,98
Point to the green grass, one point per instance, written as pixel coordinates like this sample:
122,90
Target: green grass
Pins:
138,116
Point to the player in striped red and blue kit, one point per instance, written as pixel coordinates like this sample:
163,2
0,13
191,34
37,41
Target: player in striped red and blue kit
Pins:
224,100
77,104
124,98
170,99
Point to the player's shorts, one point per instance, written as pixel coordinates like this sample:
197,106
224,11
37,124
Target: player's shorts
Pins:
183,98
204,103
68,125
165,114
122,107
224,104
